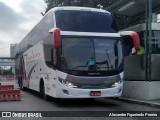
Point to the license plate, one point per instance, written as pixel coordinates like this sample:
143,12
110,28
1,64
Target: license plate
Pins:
95,93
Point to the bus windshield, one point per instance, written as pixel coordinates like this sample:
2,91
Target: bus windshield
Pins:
85,21
91,54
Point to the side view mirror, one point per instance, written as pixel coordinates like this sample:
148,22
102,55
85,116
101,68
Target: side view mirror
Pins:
56,37
134,36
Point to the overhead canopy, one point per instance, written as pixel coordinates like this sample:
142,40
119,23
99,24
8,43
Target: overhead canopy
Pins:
131,8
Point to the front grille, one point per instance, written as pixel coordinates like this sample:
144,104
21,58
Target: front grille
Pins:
104,86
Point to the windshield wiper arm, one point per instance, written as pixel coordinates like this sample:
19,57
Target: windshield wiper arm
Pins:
77,67
101,63
109,59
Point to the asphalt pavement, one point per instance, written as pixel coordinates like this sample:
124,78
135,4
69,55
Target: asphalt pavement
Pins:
31,102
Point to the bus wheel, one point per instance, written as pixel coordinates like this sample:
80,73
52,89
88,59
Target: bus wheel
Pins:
21,84
23,88
45,97
42,91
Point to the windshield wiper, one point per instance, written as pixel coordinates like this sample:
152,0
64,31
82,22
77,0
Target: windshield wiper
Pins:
78,67
101,63
109,59
94,66
104,62
90,67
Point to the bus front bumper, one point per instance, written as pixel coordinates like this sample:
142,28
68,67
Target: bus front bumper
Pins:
66,92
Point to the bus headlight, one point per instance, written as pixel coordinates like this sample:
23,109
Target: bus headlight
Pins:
116,84
68,83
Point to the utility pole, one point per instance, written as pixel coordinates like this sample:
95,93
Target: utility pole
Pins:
148,38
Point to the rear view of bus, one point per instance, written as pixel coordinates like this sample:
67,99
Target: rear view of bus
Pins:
87,54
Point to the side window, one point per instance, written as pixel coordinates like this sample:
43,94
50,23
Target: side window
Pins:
49,21
49,51
48,24
37,33
48,54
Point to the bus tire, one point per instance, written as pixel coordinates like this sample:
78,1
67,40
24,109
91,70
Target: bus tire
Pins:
21,83
24,88
42,91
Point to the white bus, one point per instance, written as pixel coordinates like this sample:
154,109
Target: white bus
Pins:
73,52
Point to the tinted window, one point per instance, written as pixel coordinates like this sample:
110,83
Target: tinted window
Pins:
85,21
48,24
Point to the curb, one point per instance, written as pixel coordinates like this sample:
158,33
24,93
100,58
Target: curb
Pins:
148,103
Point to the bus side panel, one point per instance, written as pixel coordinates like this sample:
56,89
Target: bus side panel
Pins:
31,62
36,70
